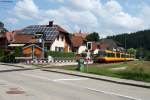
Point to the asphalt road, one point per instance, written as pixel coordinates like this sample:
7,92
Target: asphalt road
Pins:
42,85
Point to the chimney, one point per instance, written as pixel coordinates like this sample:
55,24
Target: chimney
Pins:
50,23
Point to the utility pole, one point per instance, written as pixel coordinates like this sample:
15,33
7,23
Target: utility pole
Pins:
43,42
125,49
43,46
33,51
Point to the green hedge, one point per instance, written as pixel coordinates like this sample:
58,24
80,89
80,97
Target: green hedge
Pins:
60,54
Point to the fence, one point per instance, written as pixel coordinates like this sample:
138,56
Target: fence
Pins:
53,60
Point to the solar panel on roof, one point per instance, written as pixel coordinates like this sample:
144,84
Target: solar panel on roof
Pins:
50,32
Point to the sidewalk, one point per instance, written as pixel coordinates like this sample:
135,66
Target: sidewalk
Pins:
100,77
19,65
15,67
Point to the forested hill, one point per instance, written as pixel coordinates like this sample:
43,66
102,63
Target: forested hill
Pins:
140,39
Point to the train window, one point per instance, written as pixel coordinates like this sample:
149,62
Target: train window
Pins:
127,56
110,55
123,56
102,54
118,55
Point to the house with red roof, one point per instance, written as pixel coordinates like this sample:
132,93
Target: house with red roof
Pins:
52,37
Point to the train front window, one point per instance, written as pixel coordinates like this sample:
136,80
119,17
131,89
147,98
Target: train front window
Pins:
102,54
111,55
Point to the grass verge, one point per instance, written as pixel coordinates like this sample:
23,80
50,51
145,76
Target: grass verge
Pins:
135,70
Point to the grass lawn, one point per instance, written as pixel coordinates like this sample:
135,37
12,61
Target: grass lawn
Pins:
135,70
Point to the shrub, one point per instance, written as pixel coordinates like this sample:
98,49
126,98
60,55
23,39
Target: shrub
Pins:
1,54
60,54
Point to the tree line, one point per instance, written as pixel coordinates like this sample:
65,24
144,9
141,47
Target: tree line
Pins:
139,40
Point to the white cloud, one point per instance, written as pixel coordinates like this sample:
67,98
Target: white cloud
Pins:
59,1
77,4
112,7
92,15
72,19
145,15
88,15
26,9
12,20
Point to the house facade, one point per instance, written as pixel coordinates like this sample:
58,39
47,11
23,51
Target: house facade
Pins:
51,37
79,44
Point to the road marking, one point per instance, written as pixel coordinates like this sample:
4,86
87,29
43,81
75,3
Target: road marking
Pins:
112,93
97,90
63,81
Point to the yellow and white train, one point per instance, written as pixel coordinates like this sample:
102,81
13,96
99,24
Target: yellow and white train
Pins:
113,56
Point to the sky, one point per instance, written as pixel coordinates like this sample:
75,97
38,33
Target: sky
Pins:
107,17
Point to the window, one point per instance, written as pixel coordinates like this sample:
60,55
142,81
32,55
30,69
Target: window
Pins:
60,49
58,37
48,47
62,38
123,56
102,54
89,45
56,48
118,55
110,55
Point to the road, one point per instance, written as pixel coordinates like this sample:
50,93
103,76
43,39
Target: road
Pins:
42,85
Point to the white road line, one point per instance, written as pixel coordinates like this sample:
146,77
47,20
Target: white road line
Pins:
97,90
116,94
62,81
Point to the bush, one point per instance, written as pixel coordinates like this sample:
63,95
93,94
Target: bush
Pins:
1,54
147,55
83,54
60,54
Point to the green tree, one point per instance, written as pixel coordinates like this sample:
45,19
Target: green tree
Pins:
1,24
18,52
1,54
134,40
93,37
2,29
147,55
131,51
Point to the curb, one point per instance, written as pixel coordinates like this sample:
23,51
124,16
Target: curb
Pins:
11,65
19,66
2,71
96,78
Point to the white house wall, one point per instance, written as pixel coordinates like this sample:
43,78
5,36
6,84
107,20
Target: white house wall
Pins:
59,43
82,49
